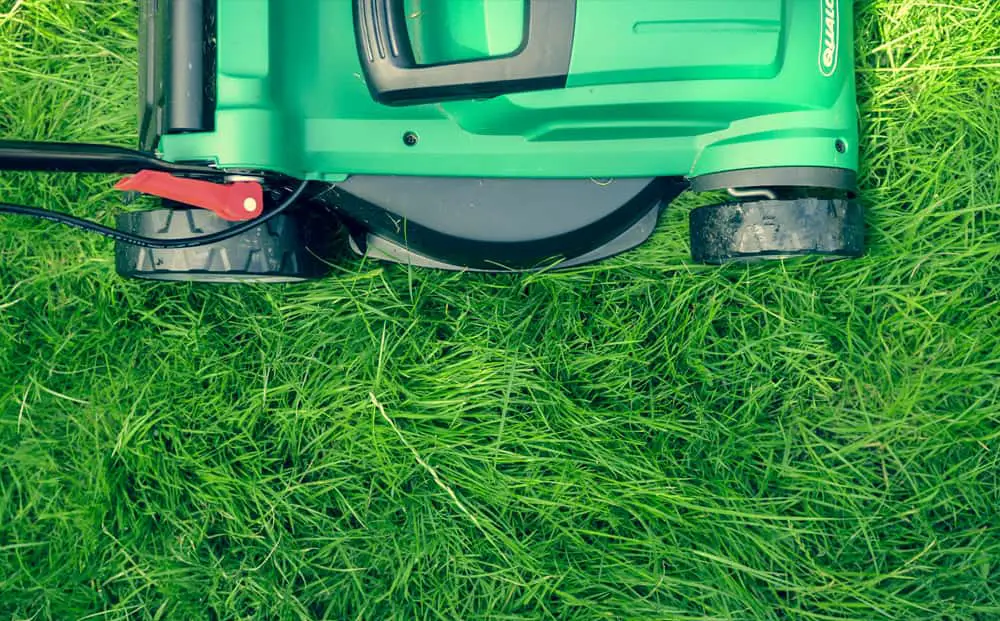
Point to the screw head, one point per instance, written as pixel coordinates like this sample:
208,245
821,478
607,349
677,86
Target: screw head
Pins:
250,204
410,139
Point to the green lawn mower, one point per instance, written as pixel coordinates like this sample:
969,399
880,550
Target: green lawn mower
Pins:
481,135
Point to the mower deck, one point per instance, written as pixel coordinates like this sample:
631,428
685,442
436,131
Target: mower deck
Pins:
490,136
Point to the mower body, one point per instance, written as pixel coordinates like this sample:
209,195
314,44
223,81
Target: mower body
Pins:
500,133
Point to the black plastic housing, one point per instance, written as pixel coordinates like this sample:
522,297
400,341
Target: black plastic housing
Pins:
502,224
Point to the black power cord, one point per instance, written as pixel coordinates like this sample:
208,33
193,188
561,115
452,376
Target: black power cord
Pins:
150,242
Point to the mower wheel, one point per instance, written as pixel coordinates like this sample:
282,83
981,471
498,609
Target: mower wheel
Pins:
278,251
777,229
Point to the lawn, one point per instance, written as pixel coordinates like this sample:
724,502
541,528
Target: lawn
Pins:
644,439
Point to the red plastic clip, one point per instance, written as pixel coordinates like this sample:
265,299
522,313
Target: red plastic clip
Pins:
236,202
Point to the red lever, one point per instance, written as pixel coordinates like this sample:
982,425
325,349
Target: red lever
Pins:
236,202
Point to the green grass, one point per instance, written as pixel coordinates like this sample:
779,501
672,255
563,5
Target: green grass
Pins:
640,440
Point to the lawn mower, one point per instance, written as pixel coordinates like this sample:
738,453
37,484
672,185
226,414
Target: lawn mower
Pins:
480,135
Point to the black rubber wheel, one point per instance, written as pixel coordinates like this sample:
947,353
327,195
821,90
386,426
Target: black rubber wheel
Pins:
281,250
777,229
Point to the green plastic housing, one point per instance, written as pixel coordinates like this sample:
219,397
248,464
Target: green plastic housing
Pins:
655,88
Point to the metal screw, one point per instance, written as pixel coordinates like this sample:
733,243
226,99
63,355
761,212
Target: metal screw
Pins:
250,204
410,139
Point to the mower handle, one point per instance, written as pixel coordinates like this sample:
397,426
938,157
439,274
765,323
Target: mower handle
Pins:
394,77
88,158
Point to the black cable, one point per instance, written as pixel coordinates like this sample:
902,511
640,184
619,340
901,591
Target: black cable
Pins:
150,242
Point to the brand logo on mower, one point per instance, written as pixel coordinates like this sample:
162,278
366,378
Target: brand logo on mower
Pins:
830,48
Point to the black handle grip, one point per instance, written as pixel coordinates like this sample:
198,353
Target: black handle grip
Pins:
394,77
87,158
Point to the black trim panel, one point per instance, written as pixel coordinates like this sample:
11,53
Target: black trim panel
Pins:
792,177
394,77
